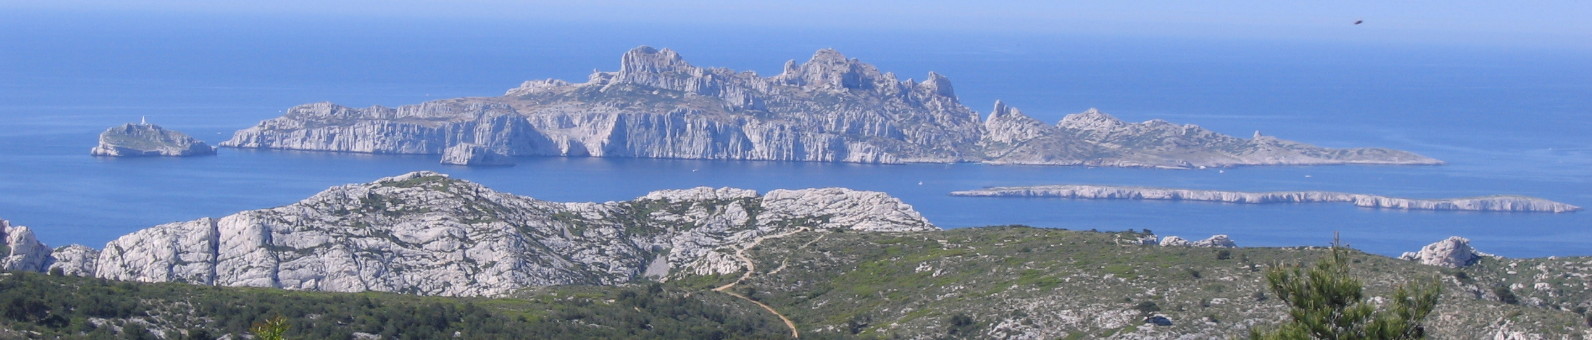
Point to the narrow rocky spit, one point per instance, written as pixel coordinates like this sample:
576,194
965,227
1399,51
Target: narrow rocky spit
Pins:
1499,203
828,109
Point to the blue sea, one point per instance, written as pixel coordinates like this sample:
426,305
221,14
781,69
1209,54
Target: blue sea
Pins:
1508,121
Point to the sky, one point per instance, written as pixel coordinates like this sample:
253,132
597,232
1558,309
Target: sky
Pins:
1549,23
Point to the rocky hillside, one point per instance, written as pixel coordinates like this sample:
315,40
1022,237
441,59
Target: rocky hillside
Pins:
424,233
828,109
977,283
1031,283
1498,203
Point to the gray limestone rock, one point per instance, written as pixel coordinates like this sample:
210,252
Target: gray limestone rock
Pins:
474,155
827,109
74,259
23,251
1453,252
148,140
425,233
1215,241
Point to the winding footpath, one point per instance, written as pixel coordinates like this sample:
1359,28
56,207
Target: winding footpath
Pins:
751,267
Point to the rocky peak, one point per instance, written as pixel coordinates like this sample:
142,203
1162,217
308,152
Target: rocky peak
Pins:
830,70
23,251
1453,252
940,86
645,59
1008,125
1092,120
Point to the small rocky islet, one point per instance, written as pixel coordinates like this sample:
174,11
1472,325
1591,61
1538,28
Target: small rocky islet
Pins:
148,140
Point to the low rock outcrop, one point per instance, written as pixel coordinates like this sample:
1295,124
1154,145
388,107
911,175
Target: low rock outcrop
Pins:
1500,203
827,109
474,155
1215,241
1453,252
425,233
130,140
74,260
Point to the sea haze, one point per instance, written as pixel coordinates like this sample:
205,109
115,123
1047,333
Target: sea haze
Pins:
1508,121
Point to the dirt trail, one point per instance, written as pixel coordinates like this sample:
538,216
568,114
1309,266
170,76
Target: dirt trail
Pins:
751,267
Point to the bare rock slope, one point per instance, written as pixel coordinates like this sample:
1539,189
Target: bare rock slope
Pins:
424,233
828,109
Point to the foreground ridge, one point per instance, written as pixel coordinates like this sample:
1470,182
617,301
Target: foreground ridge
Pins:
827,109
1498,203
992,282
425,233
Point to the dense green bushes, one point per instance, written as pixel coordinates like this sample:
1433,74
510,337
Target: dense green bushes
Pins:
82,307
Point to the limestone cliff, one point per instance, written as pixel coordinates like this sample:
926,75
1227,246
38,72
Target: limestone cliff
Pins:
474,155
829,109
424,233
22,251
148,140
1500,203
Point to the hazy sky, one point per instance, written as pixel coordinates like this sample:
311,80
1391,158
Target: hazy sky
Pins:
1562,23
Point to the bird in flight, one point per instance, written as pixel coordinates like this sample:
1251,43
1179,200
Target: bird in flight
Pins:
1357,22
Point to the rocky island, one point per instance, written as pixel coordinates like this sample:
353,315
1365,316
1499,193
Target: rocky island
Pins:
827,109
145,139
1500,203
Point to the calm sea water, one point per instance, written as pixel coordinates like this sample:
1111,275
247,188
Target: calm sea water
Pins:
1508,121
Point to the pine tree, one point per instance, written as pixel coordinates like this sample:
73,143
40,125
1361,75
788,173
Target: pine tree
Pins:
1324,302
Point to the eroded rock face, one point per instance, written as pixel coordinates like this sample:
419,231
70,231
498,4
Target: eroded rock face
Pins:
1453,252
425,233
23,249
148,140
474,155
75,260
827,109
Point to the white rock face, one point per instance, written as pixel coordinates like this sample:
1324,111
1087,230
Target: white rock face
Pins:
1487,203
148,140
23,249
75,260
1453,252
424,233
474,155
658,106
1215,241
827,109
